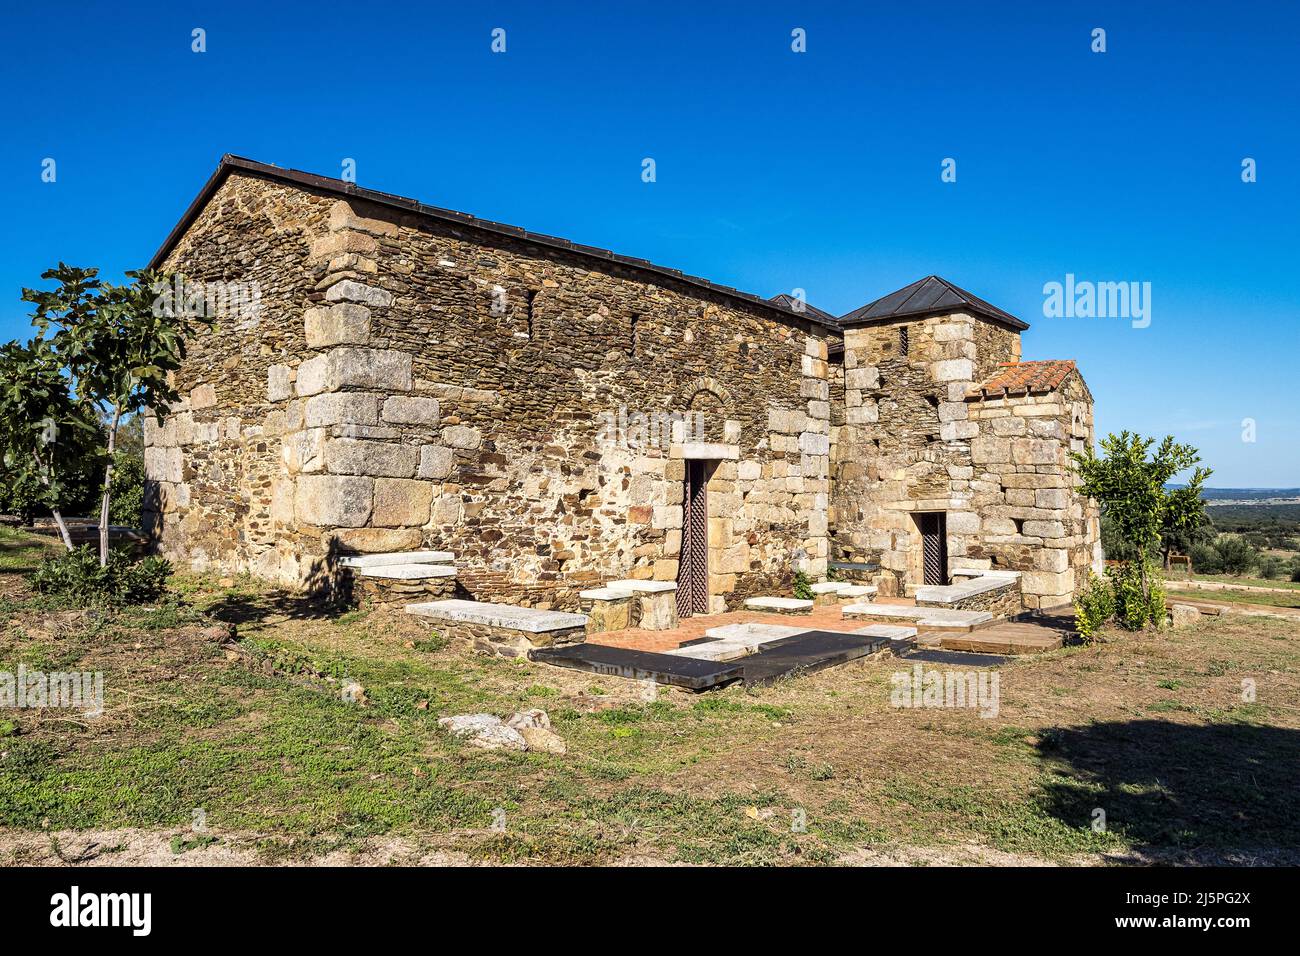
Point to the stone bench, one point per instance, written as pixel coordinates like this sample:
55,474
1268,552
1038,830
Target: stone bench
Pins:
502,628
778,605
830,593
609,609
657,602
397,578
934,617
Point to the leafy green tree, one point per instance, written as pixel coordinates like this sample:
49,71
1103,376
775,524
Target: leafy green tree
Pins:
1130,483
46,435
119,347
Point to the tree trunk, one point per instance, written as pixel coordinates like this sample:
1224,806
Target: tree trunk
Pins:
108,488
63,528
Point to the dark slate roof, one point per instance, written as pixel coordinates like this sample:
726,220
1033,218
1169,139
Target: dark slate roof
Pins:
929,296
340,187
1023,378
786,301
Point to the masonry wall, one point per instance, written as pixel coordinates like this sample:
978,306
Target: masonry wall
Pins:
419,384
912,443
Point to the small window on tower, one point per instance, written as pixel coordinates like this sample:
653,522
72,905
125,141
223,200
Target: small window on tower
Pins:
902,340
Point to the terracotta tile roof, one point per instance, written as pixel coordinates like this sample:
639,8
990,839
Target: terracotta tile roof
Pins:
1024,378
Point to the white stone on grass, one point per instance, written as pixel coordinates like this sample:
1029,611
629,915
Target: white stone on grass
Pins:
486,731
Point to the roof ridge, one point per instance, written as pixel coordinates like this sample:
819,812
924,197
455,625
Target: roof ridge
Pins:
230,162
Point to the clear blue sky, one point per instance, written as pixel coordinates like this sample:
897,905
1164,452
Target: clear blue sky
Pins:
775,170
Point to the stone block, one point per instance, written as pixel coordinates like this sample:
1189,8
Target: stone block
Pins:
435,462
333,501
279,383
402,502
351,291
348,456
863,377
338,243
340,408
862,414
341,324
813,444
989,449
344,367
411,410
1034,451
954,370
343,216
203,396
462,436
163,464
1052,498
374,540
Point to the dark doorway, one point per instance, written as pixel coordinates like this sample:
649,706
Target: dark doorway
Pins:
693,561
934,546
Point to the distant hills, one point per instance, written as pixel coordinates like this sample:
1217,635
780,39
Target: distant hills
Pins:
1250,496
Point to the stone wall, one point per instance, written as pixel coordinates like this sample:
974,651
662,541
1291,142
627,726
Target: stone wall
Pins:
911,442
1033,518
416,383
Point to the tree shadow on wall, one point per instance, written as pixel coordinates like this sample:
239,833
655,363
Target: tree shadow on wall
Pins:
326,593
1185,790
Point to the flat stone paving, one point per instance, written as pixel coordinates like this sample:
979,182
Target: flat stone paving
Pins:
1008,637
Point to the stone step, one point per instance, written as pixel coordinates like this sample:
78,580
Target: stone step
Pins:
407,572
396,557
935,617
778,605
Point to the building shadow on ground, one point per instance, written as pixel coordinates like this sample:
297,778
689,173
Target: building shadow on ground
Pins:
1183,788
326,593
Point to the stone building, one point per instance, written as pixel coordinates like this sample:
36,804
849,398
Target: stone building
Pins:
556,415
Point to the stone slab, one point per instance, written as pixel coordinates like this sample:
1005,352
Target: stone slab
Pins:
407,572
397,557
605,594
806,653
690,673
779,605
713,650
830,587
922,616
526,619
753,633
858,591
890,632
649,587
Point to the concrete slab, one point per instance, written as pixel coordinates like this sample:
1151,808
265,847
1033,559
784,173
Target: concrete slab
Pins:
407,572
527,619
396,557
830,587
713,650
858,591
753,633
779,605
605,594
647,587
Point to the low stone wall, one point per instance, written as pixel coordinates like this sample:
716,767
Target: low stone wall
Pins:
1004,601
507,642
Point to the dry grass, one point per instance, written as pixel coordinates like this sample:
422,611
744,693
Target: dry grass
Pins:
1152,729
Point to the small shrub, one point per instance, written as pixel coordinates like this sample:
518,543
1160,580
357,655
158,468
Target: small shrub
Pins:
1236,554
1295,571
1270,567
77,576
1094,606
802,586
1133,610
